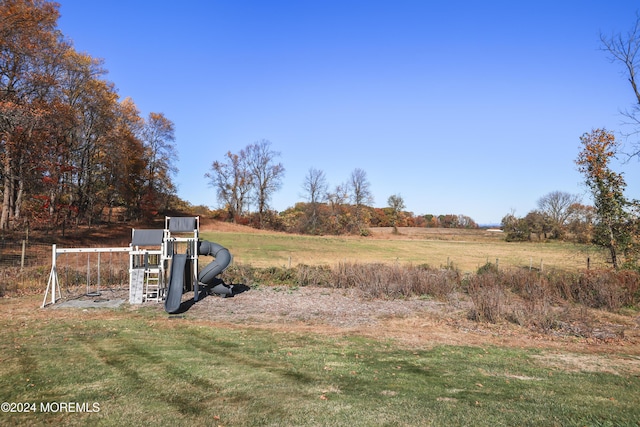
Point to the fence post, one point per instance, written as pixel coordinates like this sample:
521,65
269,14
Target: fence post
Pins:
24,248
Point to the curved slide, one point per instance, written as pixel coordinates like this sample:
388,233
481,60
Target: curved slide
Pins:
179,267
222,260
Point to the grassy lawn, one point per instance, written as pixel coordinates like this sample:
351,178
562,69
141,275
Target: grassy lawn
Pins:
467,252
143,368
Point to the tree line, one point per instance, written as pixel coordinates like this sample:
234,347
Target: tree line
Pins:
248,179
70,149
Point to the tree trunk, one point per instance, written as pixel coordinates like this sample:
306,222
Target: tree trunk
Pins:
19,194
6,196
612,248
614,256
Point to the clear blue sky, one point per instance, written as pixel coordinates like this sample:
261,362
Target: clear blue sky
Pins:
462,107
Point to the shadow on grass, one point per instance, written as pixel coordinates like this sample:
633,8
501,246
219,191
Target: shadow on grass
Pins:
217,288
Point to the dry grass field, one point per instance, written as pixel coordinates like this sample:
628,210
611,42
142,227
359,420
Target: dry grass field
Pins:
464,250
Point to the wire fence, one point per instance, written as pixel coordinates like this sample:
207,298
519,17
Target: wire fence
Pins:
24,254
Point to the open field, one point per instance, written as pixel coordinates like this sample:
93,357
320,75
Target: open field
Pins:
465,250
305,355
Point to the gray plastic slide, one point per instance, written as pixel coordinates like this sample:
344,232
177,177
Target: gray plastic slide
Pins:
179,267
176,283
222,259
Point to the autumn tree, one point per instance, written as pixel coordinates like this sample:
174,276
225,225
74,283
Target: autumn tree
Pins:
581,222
339,214
68,147
93,103
613,224
538,223
396,203
30,52
160,154
515,229
125,162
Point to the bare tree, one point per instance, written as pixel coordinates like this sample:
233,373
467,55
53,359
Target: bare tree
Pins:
360,196
555,207
624,48
360,188
232,183
315,188
265,173
339,196
337,200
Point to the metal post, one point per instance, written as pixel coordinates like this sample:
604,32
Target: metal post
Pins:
24,249
88,273
98,288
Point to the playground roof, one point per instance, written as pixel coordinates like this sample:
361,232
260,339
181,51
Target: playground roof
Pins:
147,237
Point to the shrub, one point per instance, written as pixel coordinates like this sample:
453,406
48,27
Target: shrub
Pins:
239,273
488,268
316,275
488,297
383,280
247,275
607,289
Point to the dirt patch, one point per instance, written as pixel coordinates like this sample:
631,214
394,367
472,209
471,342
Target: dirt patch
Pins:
617,365
343,308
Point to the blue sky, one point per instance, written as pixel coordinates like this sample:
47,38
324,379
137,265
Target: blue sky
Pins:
461,107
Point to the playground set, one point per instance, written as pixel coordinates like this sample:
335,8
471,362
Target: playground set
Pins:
163,264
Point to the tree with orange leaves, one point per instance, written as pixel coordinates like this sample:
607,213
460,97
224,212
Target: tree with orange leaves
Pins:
614,228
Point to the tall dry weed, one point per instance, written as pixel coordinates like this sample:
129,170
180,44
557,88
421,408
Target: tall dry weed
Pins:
488,296
394,280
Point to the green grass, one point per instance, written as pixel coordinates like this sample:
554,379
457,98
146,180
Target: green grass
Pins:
144,369
269,249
